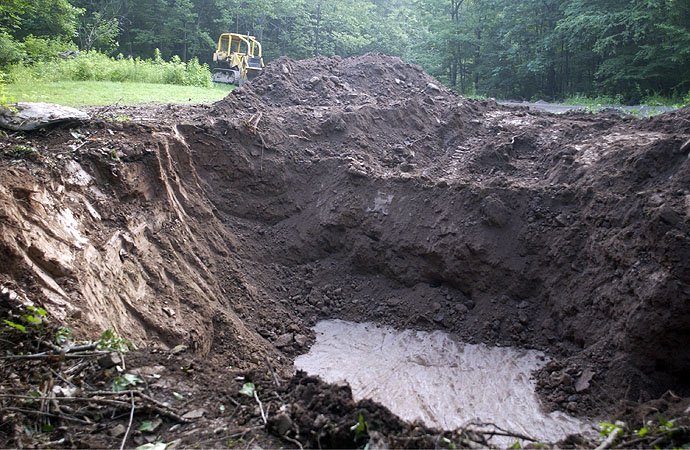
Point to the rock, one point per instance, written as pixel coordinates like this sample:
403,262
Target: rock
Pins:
30,116
117,430
286,71
433,87
461,308
685,147
284,340
110,360
320,421
314,80
282,424
393,301
301,340
194,414
582,383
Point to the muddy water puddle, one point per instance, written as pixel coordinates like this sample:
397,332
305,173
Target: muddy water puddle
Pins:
428,376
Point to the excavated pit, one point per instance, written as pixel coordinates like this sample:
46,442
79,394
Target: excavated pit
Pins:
361,189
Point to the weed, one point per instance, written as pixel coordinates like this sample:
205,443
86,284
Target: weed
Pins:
248,389
63,336
111,341
33,318
123,382
361,428
608,428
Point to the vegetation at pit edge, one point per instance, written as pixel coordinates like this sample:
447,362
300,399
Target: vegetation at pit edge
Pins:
89,93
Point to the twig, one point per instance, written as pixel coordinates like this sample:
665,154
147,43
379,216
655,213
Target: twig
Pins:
512,141
53,355
261,408
129,426
273,374
294,441
610,439
299,137
41,413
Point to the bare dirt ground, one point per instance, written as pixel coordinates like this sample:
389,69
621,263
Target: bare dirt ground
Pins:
358,189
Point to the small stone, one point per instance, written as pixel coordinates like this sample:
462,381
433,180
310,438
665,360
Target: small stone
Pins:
582,383
282,424
109,360
436,306
523,304
314,80
320,421
118,430
194,414
461,308
286,71
301,340
685,147
284,340
571,406
433,87
393,301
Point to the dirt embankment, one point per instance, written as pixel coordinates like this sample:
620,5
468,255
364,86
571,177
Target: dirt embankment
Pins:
362,189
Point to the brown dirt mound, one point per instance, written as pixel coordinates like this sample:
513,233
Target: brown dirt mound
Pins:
362,189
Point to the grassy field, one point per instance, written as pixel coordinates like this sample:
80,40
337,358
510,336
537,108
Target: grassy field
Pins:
90,93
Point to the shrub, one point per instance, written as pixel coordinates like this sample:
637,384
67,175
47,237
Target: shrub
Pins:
42,49
11,51
99,67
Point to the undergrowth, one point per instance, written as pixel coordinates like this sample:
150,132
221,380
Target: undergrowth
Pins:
95,66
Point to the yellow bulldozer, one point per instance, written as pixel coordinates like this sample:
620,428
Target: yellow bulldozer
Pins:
237,59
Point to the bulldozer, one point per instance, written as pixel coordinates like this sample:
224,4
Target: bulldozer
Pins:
237,59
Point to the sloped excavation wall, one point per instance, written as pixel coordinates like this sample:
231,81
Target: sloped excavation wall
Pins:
361,189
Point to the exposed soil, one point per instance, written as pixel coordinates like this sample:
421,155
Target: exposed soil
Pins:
358,189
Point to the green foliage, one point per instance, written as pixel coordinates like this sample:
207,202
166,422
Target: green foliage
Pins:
32,319
111,341
63,336
361,428
248,389
82,93
96,66
125,381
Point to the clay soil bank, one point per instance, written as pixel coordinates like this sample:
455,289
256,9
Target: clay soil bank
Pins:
357,189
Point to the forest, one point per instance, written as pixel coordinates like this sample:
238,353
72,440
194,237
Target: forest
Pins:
628,50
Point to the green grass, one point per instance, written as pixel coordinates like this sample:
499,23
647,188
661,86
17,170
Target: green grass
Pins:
91,93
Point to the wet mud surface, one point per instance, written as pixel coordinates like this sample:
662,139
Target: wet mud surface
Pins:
358,189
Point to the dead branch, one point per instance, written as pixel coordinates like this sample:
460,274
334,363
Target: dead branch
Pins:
46,414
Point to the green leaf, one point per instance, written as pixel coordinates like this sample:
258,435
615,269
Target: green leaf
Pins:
643,432
47,428
15,325
153,446
248,389
146,425
178,396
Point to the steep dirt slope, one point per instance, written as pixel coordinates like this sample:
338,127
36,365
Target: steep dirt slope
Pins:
362,189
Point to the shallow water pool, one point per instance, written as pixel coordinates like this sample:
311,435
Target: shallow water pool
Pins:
430,377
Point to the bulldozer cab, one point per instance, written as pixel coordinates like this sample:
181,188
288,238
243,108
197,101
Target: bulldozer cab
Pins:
238,58
229,43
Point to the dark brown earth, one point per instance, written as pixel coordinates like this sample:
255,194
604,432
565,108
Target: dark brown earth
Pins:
359,189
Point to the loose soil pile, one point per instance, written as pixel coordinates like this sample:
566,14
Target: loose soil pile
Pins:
364,190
